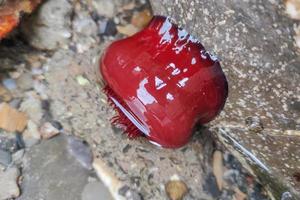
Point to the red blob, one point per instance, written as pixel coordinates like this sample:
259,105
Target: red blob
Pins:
162,82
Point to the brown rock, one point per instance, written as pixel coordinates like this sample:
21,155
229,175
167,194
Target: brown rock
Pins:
48,131
141,19
176,189
12,120
127,30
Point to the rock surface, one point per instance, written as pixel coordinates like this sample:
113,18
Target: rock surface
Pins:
8,183
95,191
255,42
50,172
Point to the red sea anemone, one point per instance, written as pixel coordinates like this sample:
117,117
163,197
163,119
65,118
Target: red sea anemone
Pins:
163,82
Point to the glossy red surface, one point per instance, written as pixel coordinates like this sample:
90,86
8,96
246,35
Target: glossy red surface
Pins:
164,82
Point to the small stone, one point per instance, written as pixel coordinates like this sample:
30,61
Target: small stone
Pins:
49,28
176,189
5,95
217,165
94,190
32,107
8,183
12,120
17,156
239,195
254,124
31,135
9,83
48,130
83,24
107,27
293,8
82,81
127,30
141,19
25,81
5,158
104,8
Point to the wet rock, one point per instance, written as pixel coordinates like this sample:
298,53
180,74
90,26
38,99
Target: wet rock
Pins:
176,189
17,156
11,119
5,158
31,135
32,107
8,183
50,172
9,83
48,131
104,8
49,28
107,27
95,191
81,151
25,81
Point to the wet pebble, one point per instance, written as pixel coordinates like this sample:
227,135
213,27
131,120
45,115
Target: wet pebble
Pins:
176,189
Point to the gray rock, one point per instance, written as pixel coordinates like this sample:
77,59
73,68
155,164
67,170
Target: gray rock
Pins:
31,135
9,83
8,183
5,158
81,151
32,107
49,28
50,172
104,8
95,191
25,81
17,156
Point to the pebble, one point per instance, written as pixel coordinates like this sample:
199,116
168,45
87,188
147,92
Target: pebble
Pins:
17,156
25,81
48,131
55,15
176,189
217,165
32,107
95,190
31,135
5,158
8,183
9,83
104,8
